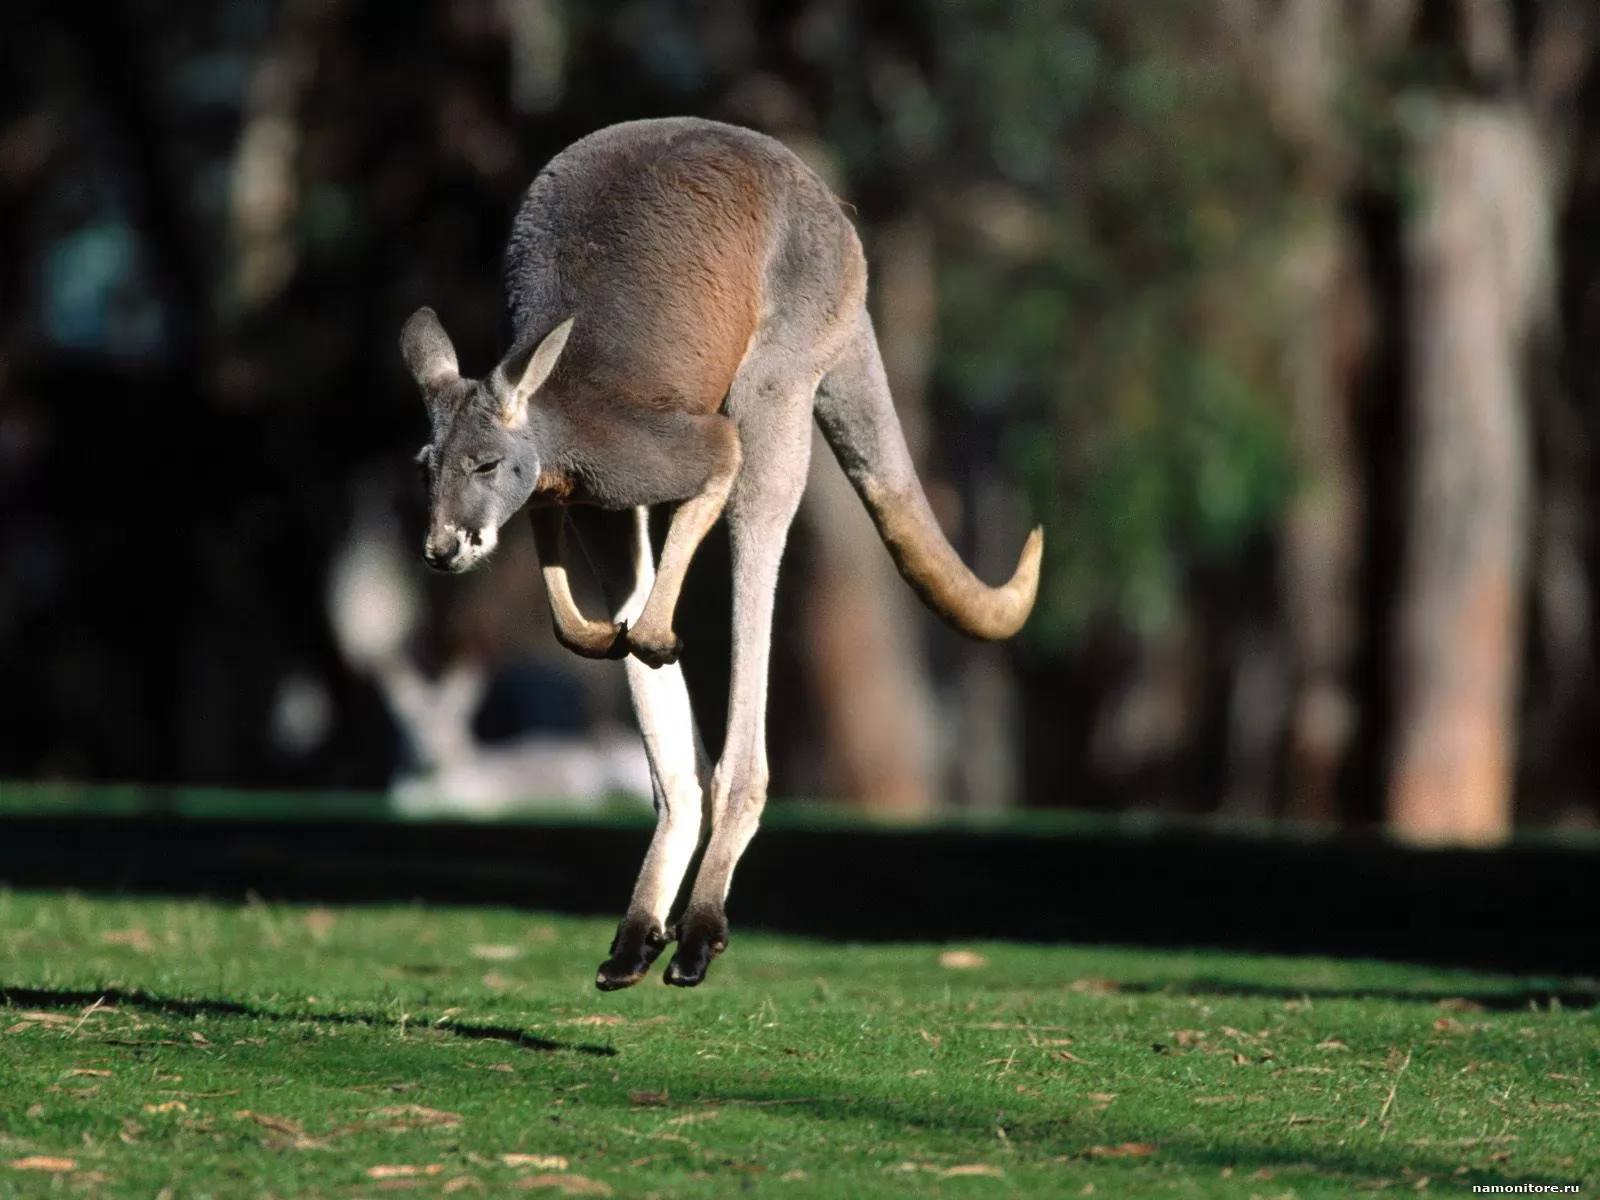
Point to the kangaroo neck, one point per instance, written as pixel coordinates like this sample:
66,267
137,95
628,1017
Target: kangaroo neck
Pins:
556,481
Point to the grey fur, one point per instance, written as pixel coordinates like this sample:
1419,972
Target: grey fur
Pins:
711,285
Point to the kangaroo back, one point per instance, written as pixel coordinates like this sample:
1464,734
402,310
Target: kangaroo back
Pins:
656,235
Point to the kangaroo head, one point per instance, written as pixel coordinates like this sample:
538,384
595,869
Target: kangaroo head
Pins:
482,461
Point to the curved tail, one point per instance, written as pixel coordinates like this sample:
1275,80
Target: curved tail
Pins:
856,414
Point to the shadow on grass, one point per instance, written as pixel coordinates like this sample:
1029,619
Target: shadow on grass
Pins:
1518,1000
50,998
1398,1163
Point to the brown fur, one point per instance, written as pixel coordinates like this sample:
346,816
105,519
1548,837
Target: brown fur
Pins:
666,269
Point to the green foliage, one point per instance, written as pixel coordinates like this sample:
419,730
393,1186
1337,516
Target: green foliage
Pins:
216,1050
1111,287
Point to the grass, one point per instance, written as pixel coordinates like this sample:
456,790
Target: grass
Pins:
187,1049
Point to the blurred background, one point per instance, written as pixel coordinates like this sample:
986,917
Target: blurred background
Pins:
1281,316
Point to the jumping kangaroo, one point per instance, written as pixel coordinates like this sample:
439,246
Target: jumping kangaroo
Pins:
683,296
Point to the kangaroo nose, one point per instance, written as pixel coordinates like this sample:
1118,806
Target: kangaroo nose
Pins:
442,548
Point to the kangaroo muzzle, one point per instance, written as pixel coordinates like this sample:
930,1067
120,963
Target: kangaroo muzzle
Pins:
451,548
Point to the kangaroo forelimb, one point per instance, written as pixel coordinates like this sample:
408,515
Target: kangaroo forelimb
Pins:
592,639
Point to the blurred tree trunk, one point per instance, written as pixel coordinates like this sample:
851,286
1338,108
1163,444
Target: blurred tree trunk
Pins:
1478,263
866,661
1480,256
862,624
985,711
1321,555
1298,55
1477,253
264,193
1557,730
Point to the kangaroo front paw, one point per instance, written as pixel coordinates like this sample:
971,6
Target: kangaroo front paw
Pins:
701,937
654,647
595,639
639,940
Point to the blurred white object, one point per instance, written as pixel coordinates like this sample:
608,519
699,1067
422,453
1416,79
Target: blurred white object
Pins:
537,773
302,714
374,608
372,592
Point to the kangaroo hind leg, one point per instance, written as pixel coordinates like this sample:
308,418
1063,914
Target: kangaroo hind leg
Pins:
618,547
775,426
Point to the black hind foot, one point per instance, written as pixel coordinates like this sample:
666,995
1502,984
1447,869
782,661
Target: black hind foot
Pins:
639,940
702,935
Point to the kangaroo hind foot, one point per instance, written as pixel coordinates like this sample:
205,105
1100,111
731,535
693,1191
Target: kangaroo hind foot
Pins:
702,935
640,940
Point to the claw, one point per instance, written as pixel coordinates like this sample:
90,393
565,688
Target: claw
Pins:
634,950
701,937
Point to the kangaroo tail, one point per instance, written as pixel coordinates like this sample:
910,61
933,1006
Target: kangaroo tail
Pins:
856,414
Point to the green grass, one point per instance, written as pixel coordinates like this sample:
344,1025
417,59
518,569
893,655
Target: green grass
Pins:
276,1050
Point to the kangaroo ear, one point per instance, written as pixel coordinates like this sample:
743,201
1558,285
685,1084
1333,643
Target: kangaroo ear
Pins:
524,372
426,347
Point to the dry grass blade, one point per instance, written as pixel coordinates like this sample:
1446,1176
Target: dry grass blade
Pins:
567,1185
136,938
1092,986
267,1121
319,922
962,960
544,1162
87,1013
694,1117
1394,1087
404,1171
496,953
1121,1150
411,1116
43,1162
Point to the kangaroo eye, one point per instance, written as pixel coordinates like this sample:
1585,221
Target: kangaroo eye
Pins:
485,468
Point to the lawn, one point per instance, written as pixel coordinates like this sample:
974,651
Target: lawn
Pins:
186,1049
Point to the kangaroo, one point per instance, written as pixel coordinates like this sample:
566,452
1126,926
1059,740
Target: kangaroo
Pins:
683,297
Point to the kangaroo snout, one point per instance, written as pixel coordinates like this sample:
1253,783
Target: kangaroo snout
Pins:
451,548
443,548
